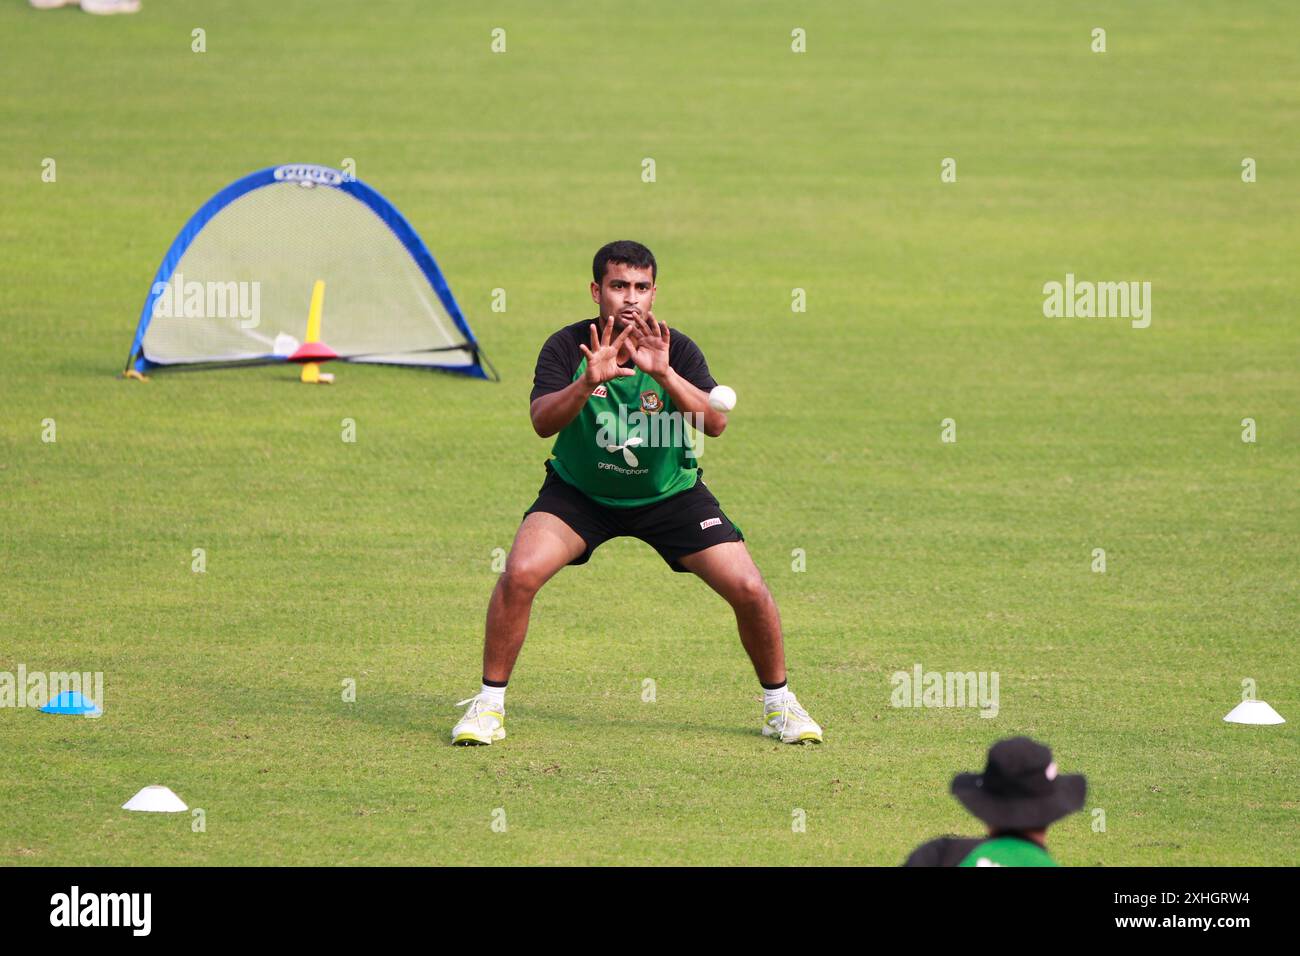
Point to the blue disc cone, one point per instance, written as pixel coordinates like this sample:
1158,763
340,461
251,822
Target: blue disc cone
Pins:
71,702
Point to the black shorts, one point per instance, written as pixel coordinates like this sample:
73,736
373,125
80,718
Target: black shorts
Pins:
689,521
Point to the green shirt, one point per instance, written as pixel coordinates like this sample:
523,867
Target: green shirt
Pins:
630,445
1008,851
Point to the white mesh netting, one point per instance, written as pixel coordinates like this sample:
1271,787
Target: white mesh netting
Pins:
250,271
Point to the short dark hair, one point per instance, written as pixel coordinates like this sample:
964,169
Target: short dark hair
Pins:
624,252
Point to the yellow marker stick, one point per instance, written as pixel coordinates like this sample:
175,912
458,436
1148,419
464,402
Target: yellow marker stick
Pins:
311,373
317,304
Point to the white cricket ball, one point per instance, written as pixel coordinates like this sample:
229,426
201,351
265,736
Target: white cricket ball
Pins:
722,399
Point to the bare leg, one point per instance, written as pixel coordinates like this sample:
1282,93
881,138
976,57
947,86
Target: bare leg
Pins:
542,546
729,570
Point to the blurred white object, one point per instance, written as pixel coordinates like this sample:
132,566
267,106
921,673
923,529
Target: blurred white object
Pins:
722,399
1254,712
105,7
52,4
285,345
156,799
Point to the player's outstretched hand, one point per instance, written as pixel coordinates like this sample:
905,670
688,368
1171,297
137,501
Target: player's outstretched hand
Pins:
650,345
602,357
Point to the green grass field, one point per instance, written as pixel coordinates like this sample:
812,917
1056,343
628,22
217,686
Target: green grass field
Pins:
775,170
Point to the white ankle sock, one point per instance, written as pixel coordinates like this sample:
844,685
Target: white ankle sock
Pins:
772,699
495,695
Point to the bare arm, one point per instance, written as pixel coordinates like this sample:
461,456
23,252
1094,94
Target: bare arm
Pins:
688,398
652,343
551,412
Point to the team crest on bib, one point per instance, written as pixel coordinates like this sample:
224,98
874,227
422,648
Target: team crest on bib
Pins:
651,403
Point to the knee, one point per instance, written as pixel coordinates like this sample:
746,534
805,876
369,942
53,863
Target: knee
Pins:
750,592
521,579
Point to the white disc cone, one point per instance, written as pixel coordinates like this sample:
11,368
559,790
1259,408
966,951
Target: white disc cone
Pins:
285,345
156,799
1254,712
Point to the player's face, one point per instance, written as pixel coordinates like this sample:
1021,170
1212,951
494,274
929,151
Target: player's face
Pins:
625,293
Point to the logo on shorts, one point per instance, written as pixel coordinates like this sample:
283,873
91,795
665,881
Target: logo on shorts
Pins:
651,403
600,392
709,523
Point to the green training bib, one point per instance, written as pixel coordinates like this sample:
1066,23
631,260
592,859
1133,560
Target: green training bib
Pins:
629,445
1008,851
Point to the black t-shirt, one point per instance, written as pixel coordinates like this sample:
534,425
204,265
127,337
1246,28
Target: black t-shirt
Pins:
560,357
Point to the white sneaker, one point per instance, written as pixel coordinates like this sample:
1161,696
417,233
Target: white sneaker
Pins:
483,723
105,7
52,4
791,723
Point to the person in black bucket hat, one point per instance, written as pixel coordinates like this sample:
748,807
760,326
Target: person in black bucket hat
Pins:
1019,795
